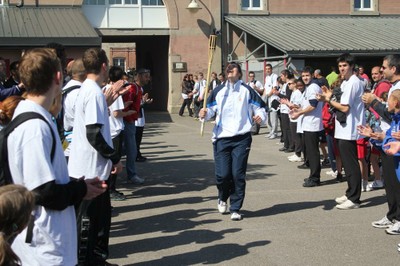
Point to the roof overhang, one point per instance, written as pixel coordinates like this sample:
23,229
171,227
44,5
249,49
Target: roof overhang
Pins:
32,26
324,36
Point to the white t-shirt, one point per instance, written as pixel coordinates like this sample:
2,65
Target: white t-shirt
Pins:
312,121
384,125
54,239
141,120
270,82
352,90
116,123
296,98
257,84
69,110
284,108
90,108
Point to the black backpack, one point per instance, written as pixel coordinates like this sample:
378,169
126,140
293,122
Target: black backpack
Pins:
5,174
60,117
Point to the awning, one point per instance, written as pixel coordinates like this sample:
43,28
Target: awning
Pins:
37,26
309,36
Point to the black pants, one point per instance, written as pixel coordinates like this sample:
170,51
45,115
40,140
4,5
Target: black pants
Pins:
93,224
186,103
392,186
311,141
348,151
287,138
117,143
296,137
139,136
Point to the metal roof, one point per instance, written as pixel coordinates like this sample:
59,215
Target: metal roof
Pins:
324,35
37,26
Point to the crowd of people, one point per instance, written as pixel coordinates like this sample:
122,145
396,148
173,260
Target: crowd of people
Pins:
68,154
59,209
343,115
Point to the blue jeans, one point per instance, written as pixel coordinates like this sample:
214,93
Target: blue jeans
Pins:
230,155
130,148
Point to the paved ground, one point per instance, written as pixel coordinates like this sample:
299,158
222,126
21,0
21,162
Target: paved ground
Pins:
172,219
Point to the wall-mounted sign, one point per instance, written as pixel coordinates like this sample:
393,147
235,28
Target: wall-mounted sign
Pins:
179,67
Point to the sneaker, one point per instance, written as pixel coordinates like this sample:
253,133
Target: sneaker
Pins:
303,166
141,159
236,216
339,178
394,229
310,183
325,163
295,159
116,196
377,184
341,199
364,185
348,205
272,136
136,180
222,206
331,172
382,223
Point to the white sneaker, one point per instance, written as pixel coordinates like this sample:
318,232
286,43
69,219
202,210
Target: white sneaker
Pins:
222,206
341,199
377,184
364,185
136,180
382,223
236,216
272,136
296,159
292,156
330,172
394,229
347,205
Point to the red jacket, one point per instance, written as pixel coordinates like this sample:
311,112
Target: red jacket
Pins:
135,95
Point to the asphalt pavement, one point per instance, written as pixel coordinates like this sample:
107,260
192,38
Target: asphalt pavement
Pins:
172,219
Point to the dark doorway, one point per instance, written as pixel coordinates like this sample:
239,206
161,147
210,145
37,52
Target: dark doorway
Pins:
151,53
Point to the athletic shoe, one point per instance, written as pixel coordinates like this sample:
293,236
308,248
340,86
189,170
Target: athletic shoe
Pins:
377,184
332,173
310,183
116,196
236,216
382,223
295,159
272,136
341,200
136,180
364,185
348,205
394,229
222,206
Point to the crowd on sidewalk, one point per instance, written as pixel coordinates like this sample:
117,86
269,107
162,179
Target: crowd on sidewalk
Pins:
64,130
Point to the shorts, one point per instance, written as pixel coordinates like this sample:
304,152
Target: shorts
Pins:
362,148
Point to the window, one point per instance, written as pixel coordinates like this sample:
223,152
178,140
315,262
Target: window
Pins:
94,2
119,62
152,3
362,5
251,4
110,2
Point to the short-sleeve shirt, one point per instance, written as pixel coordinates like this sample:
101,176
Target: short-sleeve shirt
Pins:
296,98
116,123
352,89
270,82
312,121
54,240
90,108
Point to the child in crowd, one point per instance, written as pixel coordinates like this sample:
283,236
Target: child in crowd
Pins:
16,204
